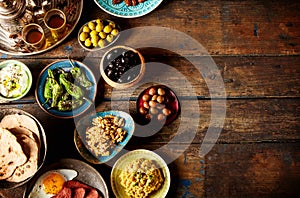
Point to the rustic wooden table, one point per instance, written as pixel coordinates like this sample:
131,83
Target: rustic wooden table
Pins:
255,45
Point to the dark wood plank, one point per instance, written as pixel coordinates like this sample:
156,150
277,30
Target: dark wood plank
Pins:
264,120
253,170
246,77
222,27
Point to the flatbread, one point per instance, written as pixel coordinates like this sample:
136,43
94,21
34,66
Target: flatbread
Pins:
16,120
11,154
28,169
22,130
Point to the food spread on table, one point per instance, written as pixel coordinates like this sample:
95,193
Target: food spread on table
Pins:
64,90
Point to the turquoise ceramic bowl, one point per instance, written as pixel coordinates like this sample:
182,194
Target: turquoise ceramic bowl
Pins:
89,93
121,10
84,123
27,77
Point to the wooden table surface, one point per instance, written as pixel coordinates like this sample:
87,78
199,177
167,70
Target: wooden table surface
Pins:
250,68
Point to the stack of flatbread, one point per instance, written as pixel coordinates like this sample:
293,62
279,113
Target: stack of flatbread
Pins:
19,147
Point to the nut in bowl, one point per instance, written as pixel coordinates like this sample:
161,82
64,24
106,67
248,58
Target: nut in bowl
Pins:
15,80
102,135
66,89
98,34
122,67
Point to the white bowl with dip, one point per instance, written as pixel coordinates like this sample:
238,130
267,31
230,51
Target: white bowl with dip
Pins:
15,80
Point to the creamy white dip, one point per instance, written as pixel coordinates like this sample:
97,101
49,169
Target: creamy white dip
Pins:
13,80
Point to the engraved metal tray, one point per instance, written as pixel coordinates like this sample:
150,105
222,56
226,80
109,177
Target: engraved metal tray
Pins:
11,42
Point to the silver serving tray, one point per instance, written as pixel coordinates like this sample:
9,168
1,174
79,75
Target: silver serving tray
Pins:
72,9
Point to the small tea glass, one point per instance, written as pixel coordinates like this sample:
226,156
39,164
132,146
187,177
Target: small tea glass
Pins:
55,20
33,35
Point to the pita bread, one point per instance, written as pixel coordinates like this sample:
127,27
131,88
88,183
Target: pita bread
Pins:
28,169
11,154
16,120
21,130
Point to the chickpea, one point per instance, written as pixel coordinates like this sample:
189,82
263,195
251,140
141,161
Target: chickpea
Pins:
146,105
152,103
143,111
166,111
160,99
161,117
153,111
154,97
148,116
161,91
152,91
146,97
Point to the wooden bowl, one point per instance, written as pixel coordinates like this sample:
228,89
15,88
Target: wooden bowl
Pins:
104,63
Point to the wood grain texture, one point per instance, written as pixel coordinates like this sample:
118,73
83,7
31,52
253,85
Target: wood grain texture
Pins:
242,77
253,170
249,49
222,27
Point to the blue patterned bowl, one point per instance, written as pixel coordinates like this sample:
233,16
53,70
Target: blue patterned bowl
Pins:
80,136
121,10
89,93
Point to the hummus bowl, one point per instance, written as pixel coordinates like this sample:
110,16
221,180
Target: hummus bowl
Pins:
15,80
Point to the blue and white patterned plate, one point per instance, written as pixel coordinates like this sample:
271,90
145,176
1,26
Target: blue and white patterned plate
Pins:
121,10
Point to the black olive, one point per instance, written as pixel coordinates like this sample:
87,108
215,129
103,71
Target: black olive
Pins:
109,56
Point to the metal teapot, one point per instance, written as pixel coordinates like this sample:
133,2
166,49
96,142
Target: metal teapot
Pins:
14,15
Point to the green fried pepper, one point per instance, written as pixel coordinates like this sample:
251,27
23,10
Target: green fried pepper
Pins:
57,92
80,77
71,88
68,105
50,82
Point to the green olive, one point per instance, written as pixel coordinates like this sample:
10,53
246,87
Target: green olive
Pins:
91,25
83,36
99,27
101,43
95,40
98,21
112,24
110,38
115,32
107,29
86,29
102,35
88,42
93,33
